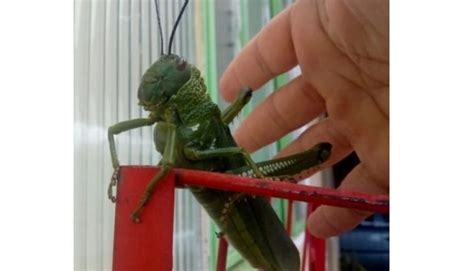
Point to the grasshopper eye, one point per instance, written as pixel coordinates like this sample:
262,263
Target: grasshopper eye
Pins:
181,64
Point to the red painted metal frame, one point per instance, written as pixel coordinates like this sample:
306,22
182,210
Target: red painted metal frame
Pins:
315,247
222,254
289,217
299,192
149,245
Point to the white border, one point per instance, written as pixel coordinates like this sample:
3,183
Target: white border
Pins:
36,138
432,102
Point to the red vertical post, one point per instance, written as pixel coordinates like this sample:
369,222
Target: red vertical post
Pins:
317,254
289,217
305,251
147,245
314,249
306,244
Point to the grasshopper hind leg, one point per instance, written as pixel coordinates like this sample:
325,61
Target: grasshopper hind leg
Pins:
292,168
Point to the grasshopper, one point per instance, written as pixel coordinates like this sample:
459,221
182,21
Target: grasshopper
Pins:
191,132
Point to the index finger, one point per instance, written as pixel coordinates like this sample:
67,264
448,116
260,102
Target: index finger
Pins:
267,55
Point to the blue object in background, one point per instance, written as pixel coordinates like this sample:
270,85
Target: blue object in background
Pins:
367,246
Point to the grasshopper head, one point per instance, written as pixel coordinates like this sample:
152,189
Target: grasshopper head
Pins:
162,80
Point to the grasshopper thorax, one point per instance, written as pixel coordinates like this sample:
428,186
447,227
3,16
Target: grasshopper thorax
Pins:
162,81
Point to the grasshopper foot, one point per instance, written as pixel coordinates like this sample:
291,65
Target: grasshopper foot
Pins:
135,217
246,95
113,182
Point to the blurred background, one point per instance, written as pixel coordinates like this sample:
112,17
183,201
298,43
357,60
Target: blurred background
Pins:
114,43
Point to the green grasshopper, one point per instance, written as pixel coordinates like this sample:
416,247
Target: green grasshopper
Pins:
191,132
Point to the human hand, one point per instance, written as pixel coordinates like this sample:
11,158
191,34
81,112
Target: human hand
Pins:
342,50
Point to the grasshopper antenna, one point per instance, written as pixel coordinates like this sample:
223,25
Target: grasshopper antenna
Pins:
176,25
159,26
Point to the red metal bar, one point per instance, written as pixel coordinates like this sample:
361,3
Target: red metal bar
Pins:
222,254
317,195
147,245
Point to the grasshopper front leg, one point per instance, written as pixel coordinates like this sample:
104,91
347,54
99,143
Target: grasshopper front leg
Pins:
115,130
169,156
234,109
